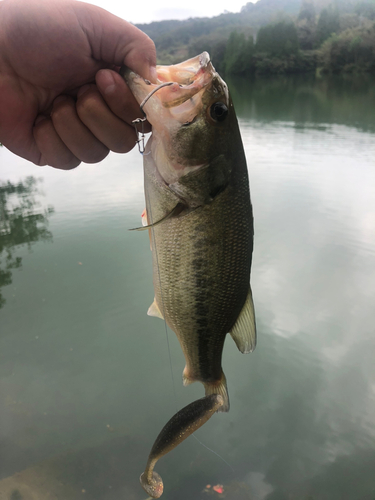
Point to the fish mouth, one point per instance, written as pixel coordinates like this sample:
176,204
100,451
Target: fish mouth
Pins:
176,85
185,73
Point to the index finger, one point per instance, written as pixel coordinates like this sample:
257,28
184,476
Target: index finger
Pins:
116,41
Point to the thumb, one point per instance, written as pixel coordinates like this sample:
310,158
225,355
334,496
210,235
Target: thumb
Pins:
115,41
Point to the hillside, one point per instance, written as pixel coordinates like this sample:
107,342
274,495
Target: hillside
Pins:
172,38
273,36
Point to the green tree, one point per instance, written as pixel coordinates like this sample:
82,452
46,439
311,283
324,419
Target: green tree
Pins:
215,44
306,26
238,54
278,39
21,223
328,23
353,49
366,9
307,11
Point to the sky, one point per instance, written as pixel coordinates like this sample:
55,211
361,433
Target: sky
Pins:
147,11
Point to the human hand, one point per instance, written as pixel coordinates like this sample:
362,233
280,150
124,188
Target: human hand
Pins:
61,99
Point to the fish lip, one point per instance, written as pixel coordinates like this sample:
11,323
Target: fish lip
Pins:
186,78
180,72
204,58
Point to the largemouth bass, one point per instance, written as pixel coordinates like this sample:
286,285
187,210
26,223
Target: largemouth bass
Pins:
198,205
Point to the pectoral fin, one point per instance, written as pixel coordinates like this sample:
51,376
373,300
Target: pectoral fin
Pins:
144,218
144,223
244,330
176,211
154,310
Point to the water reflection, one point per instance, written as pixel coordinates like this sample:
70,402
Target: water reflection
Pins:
22,222
307,100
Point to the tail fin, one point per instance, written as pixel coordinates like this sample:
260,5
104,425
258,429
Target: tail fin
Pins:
219,387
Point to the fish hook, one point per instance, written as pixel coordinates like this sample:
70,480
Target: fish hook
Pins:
141,140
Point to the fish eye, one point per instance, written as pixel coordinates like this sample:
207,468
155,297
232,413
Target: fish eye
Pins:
218,111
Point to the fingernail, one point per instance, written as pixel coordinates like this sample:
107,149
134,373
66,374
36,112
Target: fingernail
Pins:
153,74
106,81
82,90
40,118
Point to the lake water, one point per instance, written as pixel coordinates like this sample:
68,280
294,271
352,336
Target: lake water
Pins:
85,375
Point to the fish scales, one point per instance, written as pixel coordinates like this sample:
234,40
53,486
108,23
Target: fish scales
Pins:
204,271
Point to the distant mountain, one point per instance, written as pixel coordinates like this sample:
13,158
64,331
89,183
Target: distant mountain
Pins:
176,40
173,37
262,8
195,26
257,14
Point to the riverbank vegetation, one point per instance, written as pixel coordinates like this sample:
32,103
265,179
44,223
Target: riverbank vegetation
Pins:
276,36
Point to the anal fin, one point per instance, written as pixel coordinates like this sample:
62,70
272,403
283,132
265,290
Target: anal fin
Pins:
187,379
244,330
154,310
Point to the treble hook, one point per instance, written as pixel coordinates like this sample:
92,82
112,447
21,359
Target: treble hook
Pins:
141,140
